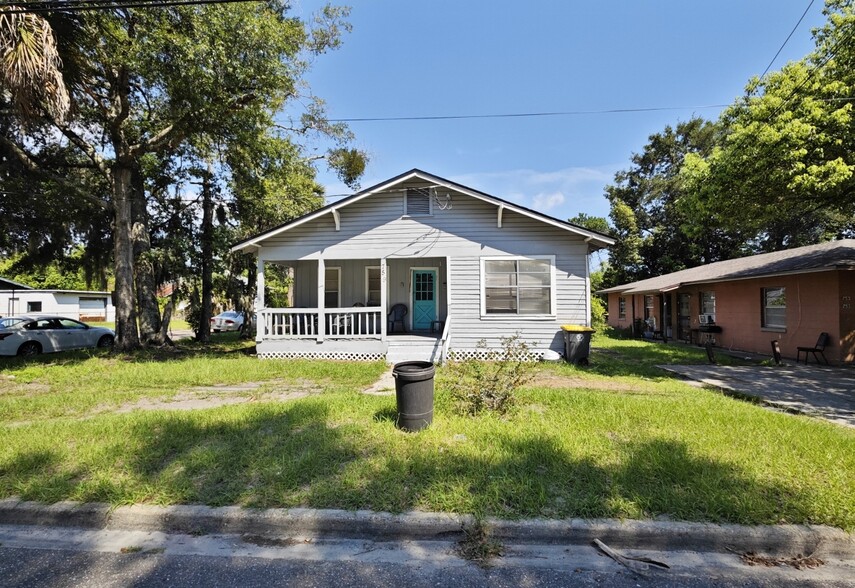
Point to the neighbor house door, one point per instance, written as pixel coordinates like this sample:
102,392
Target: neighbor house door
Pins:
683,317
424,298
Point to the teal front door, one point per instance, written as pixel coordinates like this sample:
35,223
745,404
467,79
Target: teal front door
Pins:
424,299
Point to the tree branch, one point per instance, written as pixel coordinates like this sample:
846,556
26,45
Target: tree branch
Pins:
32,165
85,147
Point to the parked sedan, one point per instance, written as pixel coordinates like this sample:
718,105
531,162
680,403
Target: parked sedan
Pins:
29,335
229,320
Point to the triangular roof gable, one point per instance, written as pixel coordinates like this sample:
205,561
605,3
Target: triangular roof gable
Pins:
597,239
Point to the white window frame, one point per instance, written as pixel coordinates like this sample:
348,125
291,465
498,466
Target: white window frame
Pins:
621,307
430,202
336,269
764,319
701,304
368,268
553,287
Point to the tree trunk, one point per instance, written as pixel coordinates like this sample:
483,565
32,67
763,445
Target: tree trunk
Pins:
167,317
207,258
127,336
146,286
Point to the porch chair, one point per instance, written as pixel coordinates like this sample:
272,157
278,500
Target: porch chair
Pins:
821,343
396,315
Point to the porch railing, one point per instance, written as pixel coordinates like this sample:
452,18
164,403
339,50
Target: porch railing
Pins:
337,323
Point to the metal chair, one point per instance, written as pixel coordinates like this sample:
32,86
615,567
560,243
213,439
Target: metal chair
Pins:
821,343
396,315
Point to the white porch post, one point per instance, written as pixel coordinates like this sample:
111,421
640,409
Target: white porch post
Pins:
259,298
322,286
383,298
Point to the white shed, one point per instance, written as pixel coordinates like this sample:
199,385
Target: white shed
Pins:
83,305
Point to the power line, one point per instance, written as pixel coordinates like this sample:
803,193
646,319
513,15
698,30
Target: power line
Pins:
543,114
784,44
526,114
817,66
90,5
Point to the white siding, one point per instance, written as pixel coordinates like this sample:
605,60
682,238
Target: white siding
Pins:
64,303
466,231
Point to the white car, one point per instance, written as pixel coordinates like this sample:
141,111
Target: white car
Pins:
31,335
229,320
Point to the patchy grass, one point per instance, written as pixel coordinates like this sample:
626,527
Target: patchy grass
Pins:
621,439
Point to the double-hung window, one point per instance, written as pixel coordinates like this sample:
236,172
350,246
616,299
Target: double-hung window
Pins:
774,302
621,307
518,285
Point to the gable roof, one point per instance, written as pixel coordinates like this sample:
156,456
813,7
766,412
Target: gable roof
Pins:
812,258
594,239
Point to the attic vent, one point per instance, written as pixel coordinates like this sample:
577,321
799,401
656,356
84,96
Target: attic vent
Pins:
418,201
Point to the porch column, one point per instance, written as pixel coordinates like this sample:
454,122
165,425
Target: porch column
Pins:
383,298
322,286
259,299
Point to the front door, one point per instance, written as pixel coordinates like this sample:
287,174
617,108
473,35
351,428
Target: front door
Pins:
424,299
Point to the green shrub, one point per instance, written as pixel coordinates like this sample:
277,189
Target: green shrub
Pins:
478,385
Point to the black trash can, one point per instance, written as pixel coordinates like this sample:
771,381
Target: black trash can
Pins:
577,343
414,394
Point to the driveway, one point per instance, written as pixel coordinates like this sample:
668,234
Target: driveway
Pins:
827,392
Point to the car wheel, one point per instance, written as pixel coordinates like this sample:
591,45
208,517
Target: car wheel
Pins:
29,348
105,341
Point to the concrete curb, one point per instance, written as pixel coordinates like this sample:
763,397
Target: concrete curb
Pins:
778,540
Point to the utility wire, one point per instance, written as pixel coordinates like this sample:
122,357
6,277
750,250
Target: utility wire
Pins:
542,114
784,44
817,66
90,5
526,114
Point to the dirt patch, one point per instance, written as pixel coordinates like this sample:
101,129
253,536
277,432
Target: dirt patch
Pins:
8,385
554,381
202,397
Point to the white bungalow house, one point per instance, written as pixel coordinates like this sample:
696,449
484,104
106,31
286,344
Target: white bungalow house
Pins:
418,265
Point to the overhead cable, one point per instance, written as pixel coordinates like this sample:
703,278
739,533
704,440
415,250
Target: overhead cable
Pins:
784,44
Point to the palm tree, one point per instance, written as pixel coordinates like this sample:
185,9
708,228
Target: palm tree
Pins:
30,65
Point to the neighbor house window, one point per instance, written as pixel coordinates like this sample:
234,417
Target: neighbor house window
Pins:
418,202
621,305
708,304
518,285
34,306
774,308
372,286
332,287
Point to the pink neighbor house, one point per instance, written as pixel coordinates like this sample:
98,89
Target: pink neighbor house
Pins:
744,304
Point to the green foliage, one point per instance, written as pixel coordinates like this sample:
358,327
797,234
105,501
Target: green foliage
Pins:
655,234
478,386
66,274
594,223
784,171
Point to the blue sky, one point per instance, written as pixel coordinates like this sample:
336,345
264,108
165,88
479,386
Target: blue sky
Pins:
475,57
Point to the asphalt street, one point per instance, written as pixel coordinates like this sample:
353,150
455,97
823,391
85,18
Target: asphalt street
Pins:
71,557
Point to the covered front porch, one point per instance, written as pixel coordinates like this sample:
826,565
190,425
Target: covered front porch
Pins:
358,309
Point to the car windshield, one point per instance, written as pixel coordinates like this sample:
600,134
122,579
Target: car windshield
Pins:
7,322
230,314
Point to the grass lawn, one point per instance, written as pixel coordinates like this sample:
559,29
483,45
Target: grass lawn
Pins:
617,439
